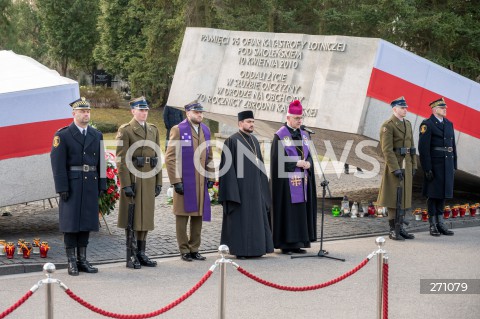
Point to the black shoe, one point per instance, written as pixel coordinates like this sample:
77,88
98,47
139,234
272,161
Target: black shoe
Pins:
286,251
442,228
434,231
142,258
186,257
394,233
82,262
72,262
241,257
197,256
299,251
405,234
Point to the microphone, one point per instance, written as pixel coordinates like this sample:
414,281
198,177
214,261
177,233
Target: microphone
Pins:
306,129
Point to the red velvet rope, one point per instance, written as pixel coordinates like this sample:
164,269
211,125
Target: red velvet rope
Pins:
305,288
16,305
145,315
385,291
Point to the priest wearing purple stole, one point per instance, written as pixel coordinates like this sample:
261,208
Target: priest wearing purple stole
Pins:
294,196
187,170
244,193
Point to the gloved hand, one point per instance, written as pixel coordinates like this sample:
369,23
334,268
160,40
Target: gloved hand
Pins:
429,176
64,196
178,188
414,171
129,191
210,184
158,189
101,192
399,174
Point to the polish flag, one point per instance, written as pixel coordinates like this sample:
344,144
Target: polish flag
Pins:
34,104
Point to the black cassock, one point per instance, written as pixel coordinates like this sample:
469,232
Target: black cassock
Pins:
246,200
293,225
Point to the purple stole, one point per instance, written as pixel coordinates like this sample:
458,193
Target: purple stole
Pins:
298,193
188,170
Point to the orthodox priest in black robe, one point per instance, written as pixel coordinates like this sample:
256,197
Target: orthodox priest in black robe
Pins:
244,193
294,195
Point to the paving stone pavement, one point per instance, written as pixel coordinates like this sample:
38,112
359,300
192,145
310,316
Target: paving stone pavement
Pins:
31,220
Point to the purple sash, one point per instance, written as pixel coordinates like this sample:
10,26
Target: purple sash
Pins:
188,170
299,177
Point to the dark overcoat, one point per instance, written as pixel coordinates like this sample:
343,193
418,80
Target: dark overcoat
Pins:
70,148
442,163
395,134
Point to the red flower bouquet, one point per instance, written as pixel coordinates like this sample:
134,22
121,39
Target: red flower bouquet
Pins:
106,202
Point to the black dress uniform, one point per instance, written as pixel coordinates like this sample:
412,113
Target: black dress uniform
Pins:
75,160
438,156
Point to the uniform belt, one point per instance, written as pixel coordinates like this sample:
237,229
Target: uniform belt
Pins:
448,149
405,150
83,168
147,159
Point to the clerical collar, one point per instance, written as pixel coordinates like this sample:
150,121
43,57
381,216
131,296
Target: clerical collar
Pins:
81,128
291,128
440,119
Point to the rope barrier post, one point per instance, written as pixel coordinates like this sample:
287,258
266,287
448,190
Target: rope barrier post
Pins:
223,250
380,241
385,287
49,269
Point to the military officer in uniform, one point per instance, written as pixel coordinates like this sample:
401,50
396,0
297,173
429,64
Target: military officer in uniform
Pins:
191,201
76,157
139,170
438,156
399,153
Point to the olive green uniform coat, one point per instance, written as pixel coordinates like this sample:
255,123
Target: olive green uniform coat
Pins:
129,134
173,162
395,134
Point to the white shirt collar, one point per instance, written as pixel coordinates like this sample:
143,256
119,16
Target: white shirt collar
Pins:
81,129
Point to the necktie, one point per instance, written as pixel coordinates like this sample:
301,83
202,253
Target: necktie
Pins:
84,132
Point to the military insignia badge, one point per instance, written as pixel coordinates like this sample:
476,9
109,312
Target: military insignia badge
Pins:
287,141
384,129
119,135
56,141
423,128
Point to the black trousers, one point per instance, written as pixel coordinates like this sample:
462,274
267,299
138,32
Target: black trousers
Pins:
435,206
73,240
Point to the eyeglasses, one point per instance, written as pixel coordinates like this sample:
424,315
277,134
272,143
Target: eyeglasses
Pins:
297,118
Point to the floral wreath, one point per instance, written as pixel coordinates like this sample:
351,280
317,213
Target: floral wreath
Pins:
107,201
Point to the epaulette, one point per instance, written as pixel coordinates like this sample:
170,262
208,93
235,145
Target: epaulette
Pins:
60,129
153,125
124,125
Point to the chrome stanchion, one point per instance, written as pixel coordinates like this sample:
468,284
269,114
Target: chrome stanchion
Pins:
380,241
49,269
223,250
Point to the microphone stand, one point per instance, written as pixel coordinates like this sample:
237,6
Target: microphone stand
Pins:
321,253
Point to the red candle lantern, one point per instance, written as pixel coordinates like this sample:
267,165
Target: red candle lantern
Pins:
44,249
425,215
455,211
446,212
10,249
371,210
473,210
26,249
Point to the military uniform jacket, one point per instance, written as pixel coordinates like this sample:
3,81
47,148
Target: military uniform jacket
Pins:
443,164
173,162
395,134
71,148
147,145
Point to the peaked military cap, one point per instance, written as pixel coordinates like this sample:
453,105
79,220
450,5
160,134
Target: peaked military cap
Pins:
438,103
399,102
194,106
80,104
139,103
